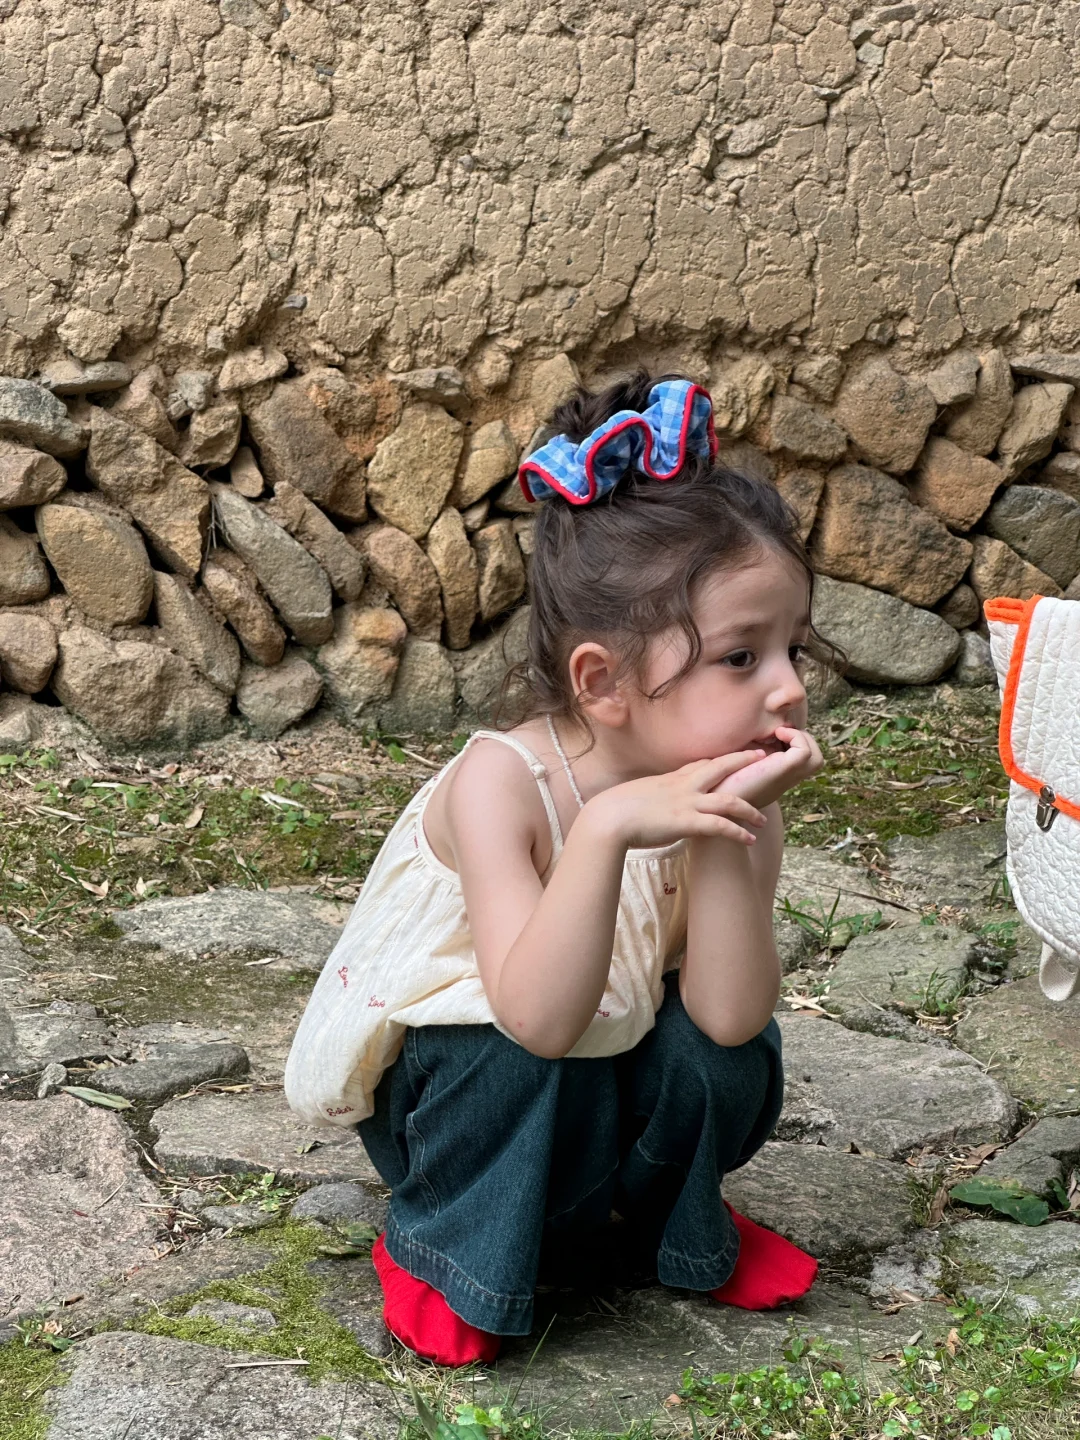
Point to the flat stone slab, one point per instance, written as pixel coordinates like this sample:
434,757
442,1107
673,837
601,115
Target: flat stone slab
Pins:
148,1386
235,1317
1044,1155
1024,1270
353,1296
812,880
167,1037
341,1203
1028,1042
886,1096
963,866
229,1134
15,962
902,969
198,1264
152,1082
281,923
910,1268
71,1201
598,1369
843,1209
61,1034
236,1217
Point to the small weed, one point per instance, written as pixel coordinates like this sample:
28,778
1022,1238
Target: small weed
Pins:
941,996
40,1332
264,1190
829,930
1000,891
927,1195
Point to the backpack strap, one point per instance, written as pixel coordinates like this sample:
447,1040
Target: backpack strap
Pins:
1057,980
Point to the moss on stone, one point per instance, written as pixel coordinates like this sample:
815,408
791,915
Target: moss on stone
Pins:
291,1294
26,1376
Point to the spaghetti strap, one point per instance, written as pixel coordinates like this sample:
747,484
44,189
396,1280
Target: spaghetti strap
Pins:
539,771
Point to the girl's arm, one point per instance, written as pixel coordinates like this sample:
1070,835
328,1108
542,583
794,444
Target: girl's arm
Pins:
544,953
730,975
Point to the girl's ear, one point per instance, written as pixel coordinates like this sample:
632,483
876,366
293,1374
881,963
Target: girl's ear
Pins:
594,671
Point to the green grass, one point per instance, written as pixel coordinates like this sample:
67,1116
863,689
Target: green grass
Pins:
985,1379
902,764
74,846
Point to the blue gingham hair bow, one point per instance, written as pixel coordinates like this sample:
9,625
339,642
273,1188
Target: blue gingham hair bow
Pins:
677,422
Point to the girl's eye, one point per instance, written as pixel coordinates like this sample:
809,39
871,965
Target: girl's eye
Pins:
799,654
739,659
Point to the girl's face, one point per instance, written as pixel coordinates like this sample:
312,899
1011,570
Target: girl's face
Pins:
754,624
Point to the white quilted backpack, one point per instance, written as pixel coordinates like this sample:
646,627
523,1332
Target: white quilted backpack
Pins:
1035,646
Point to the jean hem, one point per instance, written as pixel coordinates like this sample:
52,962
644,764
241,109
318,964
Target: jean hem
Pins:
494,1313
683,1273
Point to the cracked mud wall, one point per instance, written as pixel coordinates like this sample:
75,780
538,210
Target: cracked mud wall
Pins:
391,184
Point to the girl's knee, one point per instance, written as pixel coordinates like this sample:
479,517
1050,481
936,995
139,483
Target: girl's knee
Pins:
741,1079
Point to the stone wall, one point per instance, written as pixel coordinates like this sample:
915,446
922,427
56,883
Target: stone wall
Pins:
170,547
286,290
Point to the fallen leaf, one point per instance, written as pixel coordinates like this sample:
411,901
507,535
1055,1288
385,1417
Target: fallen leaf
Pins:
952,1341
99,890
807,820
140,887
805,1002
97,1097
194,817
983,1152
672,1401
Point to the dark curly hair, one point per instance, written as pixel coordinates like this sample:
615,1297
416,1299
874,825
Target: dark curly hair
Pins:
630,566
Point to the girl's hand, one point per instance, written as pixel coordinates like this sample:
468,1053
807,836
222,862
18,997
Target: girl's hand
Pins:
763,782
696,800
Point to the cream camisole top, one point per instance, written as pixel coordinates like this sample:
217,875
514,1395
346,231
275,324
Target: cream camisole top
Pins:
405,958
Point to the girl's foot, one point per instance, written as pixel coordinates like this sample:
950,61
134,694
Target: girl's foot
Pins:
421,1319
770,1271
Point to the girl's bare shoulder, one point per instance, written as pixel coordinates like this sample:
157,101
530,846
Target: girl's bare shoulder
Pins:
491,792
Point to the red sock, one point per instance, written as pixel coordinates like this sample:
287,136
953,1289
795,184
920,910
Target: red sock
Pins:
769,1272
421,1319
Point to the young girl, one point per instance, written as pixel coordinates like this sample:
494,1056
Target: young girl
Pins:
554,997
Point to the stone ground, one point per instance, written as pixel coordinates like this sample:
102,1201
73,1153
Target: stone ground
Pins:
195,1243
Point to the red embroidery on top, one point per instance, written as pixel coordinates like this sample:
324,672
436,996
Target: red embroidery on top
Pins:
340,1110
376,1004
605,1013
669,889
343,976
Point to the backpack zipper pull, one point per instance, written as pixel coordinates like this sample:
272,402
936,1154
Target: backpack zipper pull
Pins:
1046,812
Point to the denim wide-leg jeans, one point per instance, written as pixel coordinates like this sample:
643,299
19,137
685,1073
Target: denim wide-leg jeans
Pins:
492,1152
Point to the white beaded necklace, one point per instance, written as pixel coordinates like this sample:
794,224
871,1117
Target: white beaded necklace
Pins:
565,763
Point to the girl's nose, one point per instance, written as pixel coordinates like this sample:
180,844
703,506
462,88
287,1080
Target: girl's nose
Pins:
787,690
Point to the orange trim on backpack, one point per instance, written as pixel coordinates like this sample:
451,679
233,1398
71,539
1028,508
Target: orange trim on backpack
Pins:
1018,613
